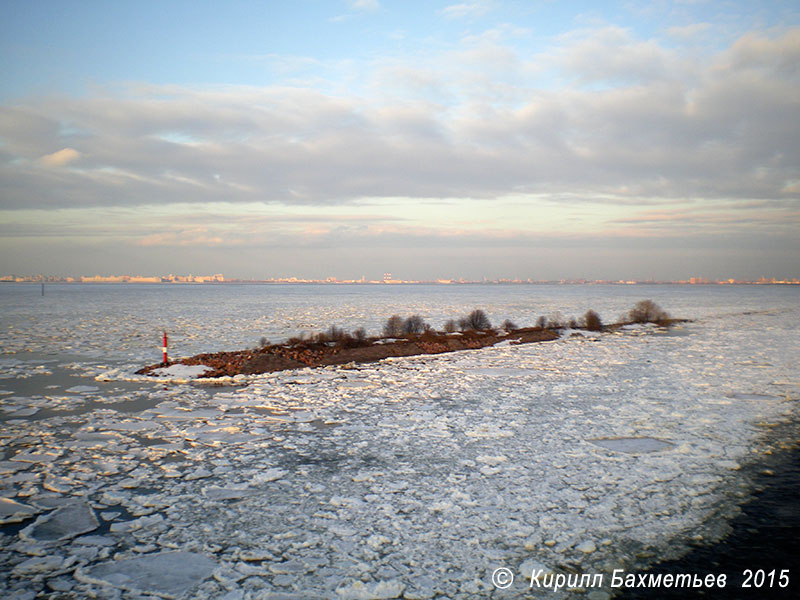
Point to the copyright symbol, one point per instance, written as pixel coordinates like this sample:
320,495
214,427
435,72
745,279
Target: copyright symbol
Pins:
502,578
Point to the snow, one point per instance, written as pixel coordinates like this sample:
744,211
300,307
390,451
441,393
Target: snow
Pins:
179,371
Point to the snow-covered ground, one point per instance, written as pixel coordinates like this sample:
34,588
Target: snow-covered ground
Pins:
409,478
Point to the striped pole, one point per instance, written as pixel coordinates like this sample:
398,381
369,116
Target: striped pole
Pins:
165,349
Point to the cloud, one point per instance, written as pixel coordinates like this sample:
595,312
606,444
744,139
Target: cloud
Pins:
184,237
471,10
612,55
755,51
636,121
248,240
60,158
349,249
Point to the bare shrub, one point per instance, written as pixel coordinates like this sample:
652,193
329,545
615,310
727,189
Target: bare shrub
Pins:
463,324
647,311
393,327
556,321
592,320
413,325
336,334
509,325
478,320
541,322
332,334
573,323
263,342
450,326
360,334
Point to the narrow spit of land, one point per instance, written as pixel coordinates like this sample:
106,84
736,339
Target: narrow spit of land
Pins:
337,347
280,357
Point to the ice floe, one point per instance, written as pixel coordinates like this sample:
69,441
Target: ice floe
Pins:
62,524
166,574
633,445
15,512
83,389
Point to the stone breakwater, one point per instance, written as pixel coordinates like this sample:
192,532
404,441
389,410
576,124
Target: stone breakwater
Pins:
280,357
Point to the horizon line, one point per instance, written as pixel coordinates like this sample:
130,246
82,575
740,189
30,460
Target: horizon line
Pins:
387,280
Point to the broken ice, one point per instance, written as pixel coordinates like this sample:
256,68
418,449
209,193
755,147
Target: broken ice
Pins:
405,478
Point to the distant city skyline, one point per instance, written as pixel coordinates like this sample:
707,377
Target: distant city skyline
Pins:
387,278
438,140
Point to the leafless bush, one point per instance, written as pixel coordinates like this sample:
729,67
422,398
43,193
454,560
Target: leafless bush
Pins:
555,321
450,326
393,327
478,320
541,322
592,320
336,334
647,311
332,334
509,325
360,334
413,325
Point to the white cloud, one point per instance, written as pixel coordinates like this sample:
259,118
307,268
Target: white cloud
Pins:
60,158
471,10
757,51
451,127
613,55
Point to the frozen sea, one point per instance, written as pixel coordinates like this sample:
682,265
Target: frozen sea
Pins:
409,478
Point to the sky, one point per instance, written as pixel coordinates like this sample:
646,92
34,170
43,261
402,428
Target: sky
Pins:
440,139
